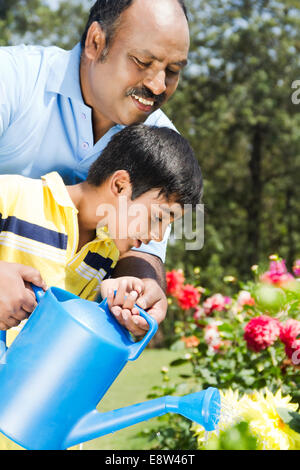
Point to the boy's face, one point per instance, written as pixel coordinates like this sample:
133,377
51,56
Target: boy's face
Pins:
141,220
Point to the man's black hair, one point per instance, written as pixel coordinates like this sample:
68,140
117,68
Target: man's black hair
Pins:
107,14
155,158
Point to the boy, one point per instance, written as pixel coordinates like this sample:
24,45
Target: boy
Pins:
74,235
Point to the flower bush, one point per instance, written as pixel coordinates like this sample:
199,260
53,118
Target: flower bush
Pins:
246,343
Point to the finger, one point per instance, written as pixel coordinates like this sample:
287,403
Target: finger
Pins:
127,321
121,292
110,298
29,302
130,300
148,299
126,314
140,322
20,315
138,286
32,275
116,310
140,326
135,311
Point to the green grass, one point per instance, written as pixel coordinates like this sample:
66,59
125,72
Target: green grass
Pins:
132,386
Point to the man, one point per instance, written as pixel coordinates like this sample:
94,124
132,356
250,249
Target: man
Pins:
58,110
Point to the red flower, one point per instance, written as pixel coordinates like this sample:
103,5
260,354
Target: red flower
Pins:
175,280
261,332
188,297
288,335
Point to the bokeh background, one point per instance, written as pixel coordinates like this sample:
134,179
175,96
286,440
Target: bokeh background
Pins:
234,104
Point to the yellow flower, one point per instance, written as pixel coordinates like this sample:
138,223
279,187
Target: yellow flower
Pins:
259,409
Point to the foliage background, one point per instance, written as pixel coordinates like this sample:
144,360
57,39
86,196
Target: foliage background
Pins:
234,105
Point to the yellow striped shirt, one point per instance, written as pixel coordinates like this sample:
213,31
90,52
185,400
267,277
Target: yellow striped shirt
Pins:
39,228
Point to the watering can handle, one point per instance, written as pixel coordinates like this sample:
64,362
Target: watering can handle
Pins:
137,348
38,291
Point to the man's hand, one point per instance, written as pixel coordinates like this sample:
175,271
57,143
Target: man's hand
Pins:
17,299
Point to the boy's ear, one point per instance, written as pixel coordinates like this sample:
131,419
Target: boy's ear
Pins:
95,42
120,183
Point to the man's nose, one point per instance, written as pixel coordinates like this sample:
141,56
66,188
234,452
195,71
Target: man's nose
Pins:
156,83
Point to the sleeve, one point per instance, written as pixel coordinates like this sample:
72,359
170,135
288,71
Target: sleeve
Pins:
9,87
3,199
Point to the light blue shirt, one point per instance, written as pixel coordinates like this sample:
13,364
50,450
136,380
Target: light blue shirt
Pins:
45,124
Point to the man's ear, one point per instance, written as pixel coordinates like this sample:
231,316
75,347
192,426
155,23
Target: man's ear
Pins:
95,42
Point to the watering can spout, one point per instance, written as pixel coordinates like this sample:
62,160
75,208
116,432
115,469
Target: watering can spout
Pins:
202,407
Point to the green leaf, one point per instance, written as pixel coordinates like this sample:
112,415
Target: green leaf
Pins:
291,418
178,362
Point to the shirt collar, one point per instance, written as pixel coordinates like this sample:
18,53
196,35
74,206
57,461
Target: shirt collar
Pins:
58,189
64,77
61,195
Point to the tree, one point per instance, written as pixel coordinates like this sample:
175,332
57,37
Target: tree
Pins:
236,109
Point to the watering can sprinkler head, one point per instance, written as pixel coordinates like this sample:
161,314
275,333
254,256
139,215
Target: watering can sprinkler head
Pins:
202,407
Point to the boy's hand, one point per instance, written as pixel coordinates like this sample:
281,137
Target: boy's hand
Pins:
145,293
121,303
17,300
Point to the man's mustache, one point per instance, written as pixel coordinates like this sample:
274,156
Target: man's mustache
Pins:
147,95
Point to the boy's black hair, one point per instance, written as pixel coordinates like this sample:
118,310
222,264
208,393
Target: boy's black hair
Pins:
155,158
107,14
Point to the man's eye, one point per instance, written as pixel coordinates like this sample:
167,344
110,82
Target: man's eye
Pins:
173,72
140,63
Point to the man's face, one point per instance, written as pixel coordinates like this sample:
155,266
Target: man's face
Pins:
142,68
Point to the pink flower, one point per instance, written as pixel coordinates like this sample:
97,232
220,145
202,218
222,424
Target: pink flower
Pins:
216,302
244,298
277,274
198,314
296,268
212,336
175,280
188,297
261,332
289,332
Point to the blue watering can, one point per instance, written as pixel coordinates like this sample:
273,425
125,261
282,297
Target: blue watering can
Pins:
62,363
